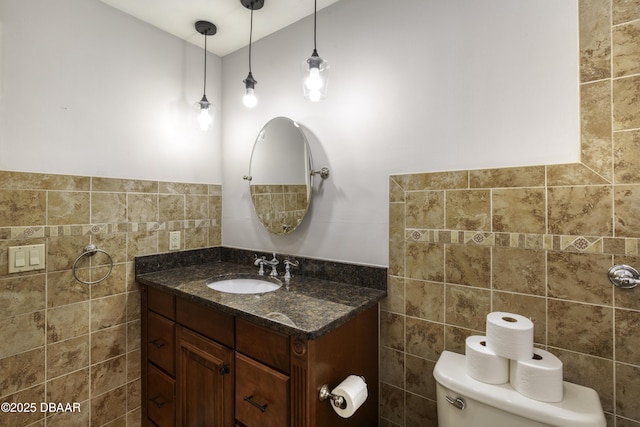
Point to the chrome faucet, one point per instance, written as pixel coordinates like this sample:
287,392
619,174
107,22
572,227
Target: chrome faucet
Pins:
263,260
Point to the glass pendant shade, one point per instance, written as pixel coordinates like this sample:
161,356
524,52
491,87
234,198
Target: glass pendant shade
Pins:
204,113
315,77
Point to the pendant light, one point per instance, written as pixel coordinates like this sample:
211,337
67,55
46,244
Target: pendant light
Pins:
249,99
315,70
203,108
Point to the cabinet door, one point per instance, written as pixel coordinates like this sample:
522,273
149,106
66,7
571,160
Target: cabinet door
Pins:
205,380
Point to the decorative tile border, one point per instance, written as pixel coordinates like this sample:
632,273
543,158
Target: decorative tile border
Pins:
565,243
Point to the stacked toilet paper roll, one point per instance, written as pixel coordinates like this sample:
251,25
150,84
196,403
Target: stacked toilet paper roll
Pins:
510,335
354,391
538,378
483,364
507,354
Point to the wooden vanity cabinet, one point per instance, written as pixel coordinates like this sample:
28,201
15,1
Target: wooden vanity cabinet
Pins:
228,372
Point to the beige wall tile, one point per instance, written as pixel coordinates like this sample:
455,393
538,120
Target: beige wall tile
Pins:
142,207
65,207
22,207
468,210
625,10
171,207
627,209
392,366
22,294
425,209
417,382
627,391
574,174
626,114
392,403
117,185
108,207
626,49
22,332
392,330
424,261
63,288
580,327
33,394
592,372
627,337
425,300
579,277
532,307
108,406
108,343
71,388
67,356
21,371
467,307
67,321
519,270
580,210
519,210
531,176
108,375
395,299
626,157
424,339
595,39
108,311
468,265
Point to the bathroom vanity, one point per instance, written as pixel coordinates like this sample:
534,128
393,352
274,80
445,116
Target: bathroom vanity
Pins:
217,359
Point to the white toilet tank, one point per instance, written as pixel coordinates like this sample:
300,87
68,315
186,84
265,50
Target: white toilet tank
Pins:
488,405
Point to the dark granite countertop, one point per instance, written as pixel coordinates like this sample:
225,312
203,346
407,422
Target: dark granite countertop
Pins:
309,307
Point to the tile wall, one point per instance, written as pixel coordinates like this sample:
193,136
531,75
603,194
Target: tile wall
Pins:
532,240
65,342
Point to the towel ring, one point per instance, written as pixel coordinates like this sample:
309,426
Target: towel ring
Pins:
91,250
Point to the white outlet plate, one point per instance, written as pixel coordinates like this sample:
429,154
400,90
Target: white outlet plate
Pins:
174,240
26,258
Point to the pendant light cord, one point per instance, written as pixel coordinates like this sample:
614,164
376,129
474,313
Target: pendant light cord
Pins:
250,36
204,89
315,11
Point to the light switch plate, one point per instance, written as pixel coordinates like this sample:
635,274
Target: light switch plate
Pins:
26,258
174,240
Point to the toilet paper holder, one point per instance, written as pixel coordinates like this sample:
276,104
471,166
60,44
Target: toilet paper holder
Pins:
337,400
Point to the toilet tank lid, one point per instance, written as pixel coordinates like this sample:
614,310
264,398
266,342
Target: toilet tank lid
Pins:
580,406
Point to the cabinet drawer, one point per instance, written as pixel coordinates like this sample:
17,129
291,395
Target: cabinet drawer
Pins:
161,341
207,321
161,302
263,344
262,394
161,406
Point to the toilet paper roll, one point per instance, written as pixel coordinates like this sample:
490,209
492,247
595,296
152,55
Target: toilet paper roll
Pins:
354,391
510,335
484,365
538,378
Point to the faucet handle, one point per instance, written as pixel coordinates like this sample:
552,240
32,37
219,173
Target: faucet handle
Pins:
259,261
287,267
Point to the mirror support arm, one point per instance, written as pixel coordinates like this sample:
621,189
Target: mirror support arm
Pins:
323,172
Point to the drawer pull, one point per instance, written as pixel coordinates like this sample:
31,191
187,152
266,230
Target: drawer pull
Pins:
224,369
158,400
158,342
254,403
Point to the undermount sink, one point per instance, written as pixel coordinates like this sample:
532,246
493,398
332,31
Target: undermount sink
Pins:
244,284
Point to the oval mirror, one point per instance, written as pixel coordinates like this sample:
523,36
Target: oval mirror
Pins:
280,176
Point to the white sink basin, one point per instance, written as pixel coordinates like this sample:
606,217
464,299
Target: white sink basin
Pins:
237,284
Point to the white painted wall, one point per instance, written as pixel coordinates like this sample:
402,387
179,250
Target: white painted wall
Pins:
416,86
88,90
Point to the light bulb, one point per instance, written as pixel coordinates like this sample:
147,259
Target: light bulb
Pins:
249,99
204,119
315,95
314,81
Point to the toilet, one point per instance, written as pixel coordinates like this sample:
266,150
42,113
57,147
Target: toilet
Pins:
465,402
